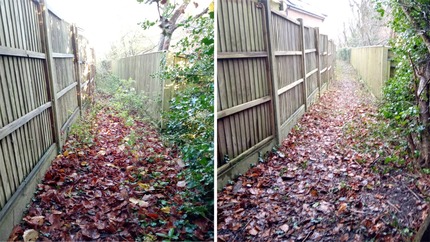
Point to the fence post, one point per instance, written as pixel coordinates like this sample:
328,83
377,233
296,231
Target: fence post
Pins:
166,89
75,44
50,74
302,40
317,45
328,62
92,82
272,71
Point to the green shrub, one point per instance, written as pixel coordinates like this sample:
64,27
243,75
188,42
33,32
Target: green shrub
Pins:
344,54
189,124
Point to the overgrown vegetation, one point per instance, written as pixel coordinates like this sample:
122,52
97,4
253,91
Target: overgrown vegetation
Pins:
406,95
189,123
123,96
344,54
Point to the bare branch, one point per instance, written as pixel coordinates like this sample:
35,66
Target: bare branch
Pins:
195,17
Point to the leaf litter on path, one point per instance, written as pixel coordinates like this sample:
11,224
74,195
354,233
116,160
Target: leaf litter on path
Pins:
110,189
321,184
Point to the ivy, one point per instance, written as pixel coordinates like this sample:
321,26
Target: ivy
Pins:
189,124
400,103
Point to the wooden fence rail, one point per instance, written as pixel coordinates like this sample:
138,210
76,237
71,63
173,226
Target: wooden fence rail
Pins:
46,75
271,68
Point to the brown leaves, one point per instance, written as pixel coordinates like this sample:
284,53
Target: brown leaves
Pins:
321,185
108,190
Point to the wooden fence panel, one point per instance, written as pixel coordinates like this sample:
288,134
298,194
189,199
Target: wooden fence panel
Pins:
142,69
324,61
289,77
269,72
373,65
311,64
37,92
244,111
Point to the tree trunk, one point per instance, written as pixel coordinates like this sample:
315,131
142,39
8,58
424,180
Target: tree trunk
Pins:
167,39
423,105
161,42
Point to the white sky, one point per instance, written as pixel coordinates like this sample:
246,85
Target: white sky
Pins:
338,12
105,21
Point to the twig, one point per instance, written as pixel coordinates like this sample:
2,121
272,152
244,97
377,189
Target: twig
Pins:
418,197
373,162
413,193
310,232
357,211
394,206
234,238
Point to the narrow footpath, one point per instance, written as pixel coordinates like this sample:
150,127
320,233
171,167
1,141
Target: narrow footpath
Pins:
333,179
116,182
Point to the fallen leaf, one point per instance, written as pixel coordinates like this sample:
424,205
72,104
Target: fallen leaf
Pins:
84,163
165,209
285,228
30,235
36,220
152,215
253,231
314,193
144,186
342,207
139,202
181,184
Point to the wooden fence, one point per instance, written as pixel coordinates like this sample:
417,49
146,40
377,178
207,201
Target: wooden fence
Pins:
271,68
374,65
46,74
143,69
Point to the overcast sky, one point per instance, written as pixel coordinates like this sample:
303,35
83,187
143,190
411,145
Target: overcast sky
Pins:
105,21
338,12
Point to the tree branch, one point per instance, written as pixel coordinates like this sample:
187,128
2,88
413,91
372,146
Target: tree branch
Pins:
195,17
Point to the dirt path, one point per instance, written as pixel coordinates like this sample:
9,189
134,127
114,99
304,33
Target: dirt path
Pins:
121,184
327,182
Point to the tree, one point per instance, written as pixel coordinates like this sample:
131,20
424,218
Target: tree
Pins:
189,124
170,18
407,94
130,44
365,27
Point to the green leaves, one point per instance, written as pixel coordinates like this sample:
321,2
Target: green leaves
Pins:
147,24
190,120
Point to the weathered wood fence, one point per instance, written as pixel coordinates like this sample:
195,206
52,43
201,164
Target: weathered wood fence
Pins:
374,65
143,69
46,78
270,70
